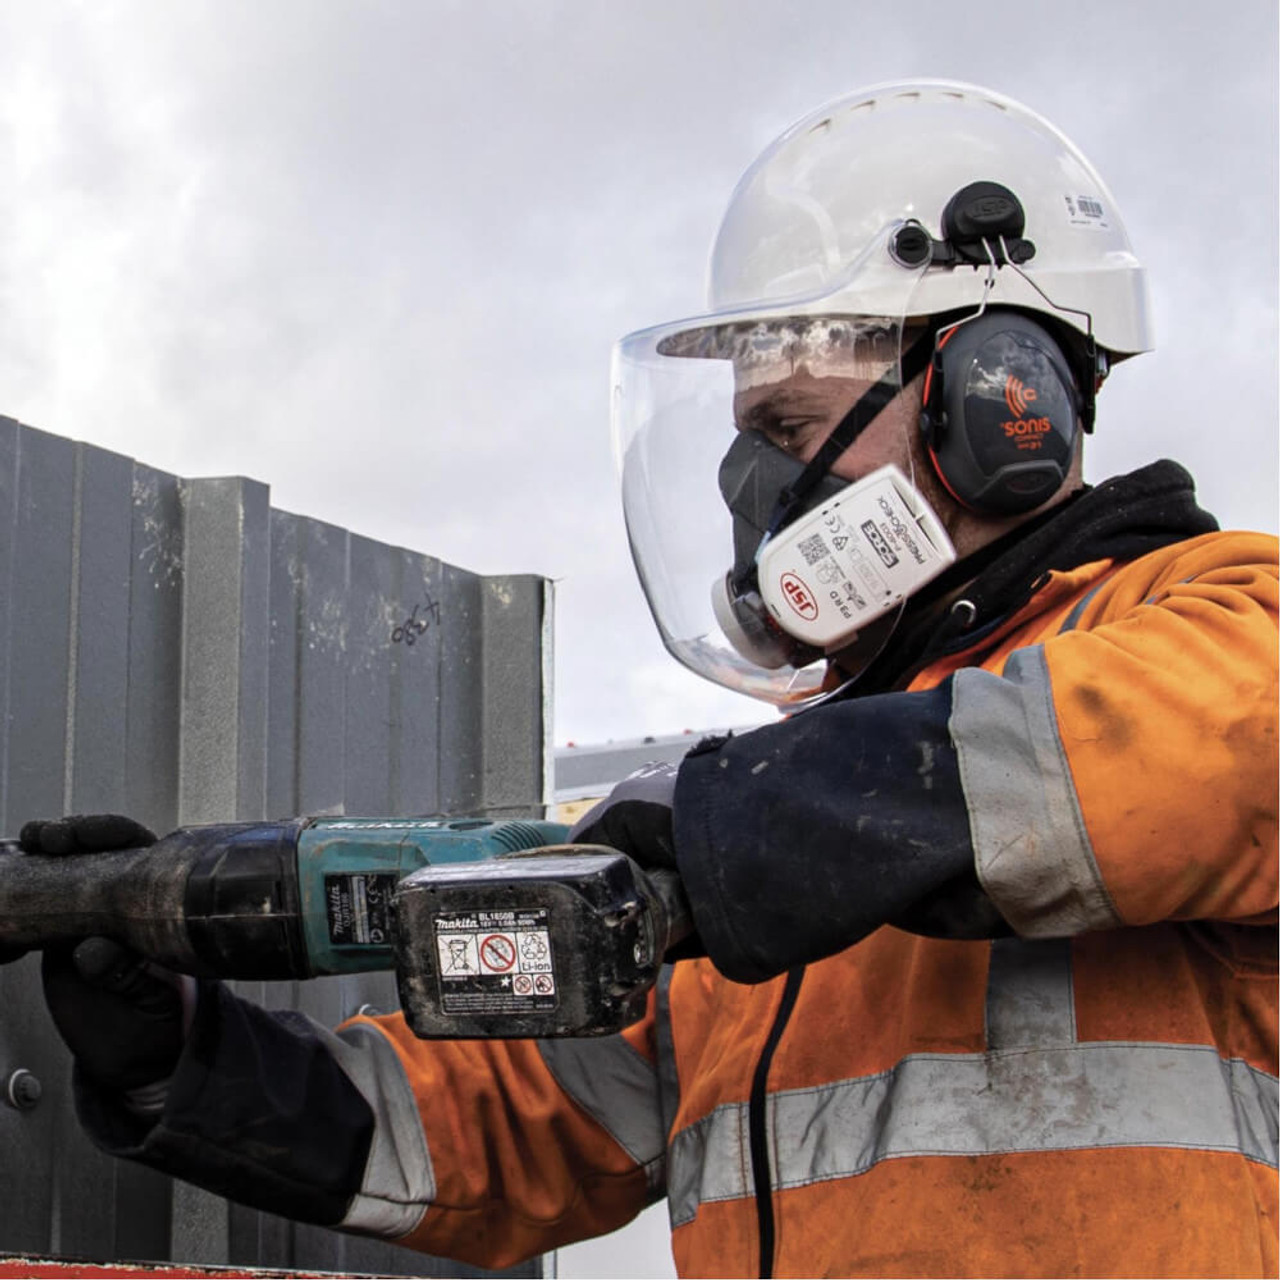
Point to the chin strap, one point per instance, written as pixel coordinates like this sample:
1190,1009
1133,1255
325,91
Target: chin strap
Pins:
864,412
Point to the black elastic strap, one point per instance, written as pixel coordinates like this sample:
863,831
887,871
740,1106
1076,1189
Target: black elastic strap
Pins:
757,1121
864,412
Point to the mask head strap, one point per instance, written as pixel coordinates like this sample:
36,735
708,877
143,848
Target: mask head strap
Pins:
864,412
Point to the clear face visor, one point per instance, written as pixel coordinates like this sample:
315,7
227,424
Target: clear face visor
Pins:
757,563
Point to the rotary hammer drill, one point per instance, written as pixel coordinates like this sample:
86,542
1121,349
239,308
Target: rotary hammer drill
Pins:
494,929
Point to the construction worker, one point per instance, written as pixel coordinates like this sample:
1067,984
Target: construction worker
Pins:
988,921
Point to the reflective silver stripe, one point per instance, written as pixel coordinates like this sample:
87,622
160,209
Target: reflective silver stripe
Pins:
1078,1097
618,1088
1031,849
1030,998
1254,1095
709,1161
399,1182
668,1076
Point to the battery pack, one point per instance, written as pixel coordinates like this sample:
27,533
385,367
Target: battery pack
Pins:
555,944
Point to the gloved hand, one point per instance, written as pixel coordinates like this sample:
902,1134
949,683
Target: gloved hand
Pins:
635,817
81,833
124,1019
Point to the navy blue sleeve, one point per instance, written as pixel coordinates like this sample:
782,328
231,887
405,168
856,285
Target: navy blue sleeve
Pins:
258,1111
799,839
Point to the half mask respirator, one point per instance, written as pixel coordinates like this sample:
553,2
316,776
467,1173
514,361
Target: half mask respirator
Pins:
852,553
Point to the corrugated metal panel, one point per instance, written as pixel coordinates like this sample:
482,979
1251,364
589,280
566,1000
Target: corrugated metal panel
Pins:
177,650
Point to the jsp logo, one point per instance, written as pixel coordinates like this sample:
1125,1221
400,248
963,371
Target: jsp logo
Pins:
798,596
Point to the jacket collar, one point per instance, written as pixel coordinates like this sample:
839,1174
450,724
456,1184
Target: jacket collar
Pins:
1121,519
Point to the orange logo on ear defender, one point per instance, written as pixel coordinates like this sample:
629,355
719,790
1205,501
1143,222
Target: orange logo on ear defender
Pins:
1028,432
1017,396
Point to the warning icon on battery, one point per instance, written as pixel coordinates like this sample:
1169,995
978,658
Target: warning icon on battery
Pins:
497,953
458,953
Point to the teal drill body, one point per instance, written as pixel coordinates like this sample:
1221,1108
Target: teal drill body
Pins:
348,869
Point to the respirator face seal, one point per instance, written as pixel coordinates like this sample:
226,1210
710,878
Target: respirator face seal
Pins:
756,560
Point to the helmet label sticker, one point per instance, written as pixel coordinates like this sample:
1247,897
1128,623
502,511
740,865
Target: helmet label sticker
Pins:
1086,211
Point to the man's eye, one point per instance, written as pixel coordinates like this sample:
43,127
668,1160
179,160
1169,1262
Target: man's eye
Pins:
789,433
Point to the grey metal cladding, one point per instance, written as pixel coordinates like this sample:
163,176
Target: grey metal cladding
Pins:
178,650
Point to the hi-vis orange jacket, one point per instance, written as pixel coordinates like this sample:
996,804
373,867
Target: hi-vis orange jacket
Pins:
1093,1092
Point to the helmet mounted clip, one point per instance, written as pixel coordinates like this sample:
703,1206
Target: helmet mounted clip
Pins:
982,223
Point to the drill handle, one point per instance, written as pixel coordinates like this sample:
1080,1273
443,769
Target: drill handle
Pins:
669,891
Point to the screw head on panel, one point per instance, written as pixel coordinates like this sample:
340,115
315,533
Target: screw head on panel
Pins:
22,1090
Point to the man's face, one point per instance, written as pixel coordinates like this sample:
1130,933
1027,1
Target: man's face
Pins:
799,411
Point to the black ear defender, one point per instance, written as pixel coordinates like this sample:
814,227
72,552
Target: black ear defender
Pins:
1001,412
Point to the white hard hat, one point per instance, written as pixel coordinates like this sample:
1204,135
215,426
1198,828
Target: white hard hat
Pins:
818,197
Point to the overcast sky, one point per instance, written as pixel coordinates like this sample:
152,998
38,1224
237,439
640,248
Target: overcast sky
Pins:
376,254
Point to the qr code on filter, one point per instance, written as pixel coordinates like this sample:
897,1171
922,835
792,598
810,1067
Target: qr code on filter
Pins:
813,549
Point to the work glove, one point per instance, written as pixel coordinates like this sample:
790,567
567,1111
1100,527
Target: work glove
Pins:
82,833
635,817
124,1018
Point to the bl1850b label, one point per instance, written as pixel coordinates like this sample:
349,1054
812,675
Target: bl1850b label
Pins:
495,962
